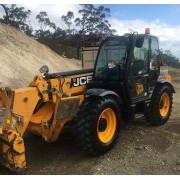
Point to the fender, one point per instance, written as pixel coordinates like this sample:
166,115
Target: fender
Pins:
164,81
102,93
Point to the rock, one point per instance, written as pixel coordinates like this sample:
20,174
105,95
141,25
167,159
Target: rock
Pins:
141,132
174,169
140,147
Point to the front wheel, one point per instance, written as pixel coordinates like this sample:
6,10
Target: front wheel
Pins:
161,106
97,125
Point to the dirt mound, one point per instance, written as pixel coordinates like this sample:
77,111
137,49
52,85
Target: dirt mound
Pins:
21,57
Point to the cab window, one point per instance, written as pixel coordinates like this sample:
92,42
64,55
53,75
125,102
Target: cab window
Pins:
140,59
154,54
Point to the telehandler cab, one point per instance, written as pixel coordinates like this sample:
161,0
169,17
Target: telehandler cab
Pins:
125,81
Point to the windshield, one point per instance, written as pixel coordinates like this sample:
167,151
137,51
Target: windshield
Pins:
111,59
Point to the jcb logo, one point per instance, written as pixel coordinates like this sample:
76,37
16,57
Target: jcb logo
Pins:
139,88
80,81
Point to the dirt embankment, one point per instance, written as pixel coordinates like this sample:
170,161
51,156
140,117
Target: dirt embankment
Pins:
21,57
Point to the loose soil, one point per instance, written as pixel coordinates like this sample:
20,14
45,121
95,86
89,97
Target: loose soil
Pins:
21,58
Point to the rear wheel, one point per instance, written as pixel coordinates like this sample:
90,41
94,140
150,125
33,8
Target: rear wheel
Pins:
161,106
97,125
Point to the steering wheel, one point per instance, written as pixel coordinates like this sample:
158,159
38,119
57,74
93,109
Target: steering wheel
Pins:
114,63
122,60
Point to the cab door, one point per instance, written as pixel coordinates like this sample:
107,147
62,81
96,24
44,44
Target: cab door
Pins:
138,74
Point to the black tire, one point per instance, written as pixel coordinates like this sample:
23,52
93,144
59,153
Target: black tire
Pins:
89,117
153,114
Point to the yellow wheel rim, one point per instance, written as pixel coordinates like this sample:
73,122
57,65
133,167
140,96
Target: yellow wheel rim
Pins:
106,126
164,104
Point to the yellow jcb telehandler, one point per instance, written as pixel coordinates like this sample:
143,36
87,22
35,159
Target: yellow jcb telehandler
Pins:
124,81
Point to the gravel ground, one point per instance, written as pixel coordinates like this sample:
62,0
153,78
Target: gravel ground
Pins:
141,150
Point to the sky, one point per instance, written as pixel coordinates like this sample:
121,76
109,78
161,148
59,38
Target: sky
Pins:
163,19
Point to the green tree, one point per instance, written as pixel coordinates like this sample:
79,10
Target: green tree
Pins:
83,22
101,24
169,59
94,20
47,28
67,19
6,17
17,17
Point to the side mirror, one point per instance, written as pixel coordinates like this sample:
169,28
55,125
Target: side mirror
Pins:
44,69
139,41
